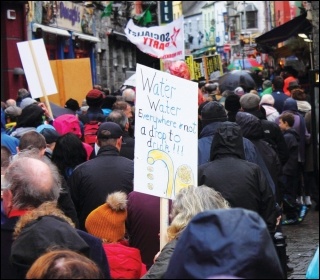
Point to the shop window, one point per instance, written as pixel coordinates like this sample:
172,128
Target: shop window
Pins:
81,48
51,44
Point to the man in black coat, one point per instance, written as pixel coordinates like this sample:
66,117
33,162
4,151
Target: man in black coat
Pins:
240,182
92,181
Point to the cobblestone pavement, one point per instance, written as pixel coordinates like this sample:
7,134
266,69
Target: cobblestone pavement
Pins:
302,242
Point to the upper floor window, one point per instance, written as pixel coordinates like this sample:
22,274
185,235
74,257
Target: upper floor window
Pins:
252,19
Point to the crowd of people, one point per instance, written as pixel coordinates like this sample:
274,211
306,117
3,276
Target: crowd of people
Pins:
69,209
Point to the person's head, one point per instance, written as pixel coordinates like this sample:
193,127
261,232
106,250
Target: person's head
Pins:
129,95
239,91
271,69
190,201
13,112
50,134
290,104
27,101
227,140
232,103
107,221
293,85
119,117
267,99
213,111
217,242
109,133
29,181
31,116
23,93
266,84
299,94
124,106
5,158
94,98
253,91
32,140
68,152
290,71
11,102
278,83
84,106
250,102
64,264
286,121
72,104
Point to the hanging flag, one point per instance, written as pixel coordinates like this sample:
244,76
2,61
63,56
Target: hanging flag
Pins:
144,18
165,41
107,12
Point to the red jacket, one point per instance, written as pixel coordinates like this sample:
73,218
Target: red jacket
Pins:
124,261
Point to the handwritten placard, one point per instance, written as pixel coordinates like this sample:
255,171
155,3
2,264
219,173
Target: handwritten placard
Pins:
165,133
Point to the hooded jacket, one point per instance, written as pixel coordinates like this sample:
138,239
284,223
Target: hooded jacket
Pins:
225,242
43,228
272,134
243,185
291,106
252,129
31,117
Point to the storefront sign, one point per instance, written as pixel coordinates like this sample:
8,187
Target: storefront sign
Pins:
166,14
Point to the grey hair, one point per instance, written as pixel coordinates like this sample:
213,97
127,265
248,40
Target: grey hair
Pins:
191,201
27,190
119,117
129,94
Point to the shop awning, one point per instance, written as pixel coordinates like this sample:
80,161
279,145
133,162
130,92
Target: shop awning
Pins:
283,32
203,50
85,37
50,29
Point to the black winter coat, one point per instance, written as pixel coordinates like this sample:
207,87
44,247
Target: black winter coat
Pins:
273,135
92,181
292,139
240,182
252,129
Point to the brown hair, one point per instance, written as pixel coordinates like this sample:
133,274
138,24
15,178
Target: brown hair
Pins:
32,139
64,264
299,94
288,118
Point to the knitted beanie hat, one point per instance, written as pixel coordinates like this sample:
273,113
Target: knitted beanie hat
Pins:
108,220
94,98
213,111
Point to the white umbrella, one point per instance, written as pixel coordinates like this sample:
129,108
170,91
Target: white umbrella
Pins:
131,81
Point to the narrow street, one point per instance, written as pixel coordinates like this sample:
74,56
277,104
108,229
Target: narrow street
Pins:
302,242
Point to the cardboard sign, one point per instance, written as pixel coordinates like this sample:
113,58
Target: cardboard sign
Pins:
37,68
166,133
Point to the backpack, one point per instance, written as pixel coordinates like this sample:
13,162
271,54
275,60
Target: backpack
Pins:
67,123
90,130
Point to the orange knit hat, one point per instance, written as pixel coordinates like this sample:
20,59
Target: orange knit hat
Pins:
108,220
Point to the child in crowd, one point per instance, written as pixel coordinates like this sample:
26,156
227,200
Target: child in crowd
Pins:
295,213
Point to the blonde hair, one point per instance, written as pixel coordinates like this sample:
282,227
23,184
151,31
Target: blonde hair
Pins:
189,202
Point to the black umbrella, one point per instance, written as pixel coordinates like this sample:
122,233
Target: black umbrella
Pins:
236,78
58,110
